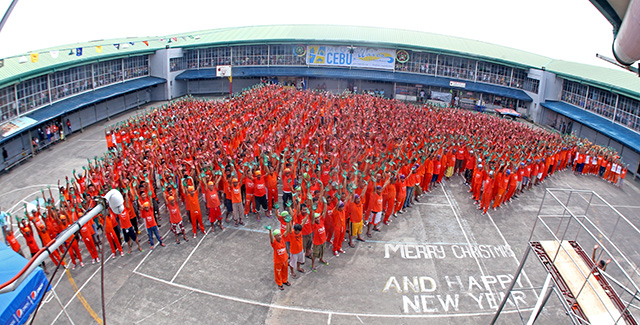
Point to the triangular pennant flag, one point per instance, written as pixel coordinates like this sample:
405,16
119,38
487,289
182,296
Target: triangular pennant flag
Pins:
54,54
197,36
146,43
23,59
125,46
79,51
117,46
162,40
175,39
99,49
132,43
1,63
34,57
71,52
184,38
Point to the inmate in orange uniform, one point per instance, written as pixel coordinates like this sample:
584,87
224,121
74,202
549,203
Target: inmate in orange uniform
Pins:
280,262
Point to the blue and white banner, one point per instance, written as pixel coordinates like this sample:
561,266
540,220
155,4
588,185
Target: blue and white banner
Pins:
344,56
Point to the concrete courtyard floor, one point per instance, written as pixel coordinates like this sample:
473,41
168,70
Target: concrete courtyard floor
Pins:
419,269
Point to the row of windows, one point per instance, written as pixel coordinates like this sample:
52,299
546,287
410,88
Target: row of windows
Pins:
623,110
419,62
33,93
242,56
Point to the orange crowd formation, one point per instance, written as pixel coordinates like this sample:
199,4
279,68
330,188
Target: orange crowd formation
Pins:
327,166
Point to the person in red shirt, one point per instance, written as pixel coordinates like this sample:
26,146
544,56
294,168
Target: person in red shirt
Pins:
295,246
213,203
355,216
271,179
319,238
11,239
279,256
193,208
249,189
401,191
389,199
175,218
150,222
129,233
260,194
72,243
87,232
375,205
109,222
339,228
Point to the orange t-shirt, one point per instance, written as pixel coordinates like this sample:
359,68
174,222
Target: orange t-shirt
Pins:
279,252
236,194
295,244
375,202
355,212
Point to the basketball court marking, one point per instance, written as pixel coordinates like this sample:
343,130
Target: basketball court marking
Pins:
190,254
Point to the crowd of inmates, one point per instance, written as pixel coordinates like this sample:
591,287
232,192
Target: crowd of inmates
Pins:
331,168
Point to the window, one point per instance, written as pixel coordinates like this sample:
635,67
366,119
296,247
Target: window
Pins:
455,67
69,82
32,94
250,55
574,93
137,66
419,62
601,102
107,72
628,113
213,56
189,60
519,78
493,73
285,55
531,85
7,103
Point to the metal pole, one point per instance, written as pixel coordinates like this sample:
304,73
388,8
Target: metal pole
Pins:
513,283
542,299
8,13
62,237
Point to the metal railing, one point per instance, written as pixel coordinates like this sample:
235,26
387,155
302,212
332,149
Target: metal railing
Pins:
582,218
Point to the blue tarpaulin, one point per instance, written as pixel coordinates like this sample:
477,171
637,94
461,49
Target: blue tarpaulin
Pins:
605,126
16,306
376,75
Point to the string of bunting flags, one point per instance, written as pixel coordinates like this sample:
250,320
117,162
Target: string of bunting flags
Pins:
79,51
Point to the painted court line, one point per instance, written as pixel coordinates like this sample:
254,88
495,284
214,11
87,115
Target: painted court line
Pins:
79,290
462,228
190,254
317,311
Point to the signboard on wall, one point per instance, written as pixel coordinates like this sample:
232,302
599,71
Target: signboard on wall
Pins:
345,56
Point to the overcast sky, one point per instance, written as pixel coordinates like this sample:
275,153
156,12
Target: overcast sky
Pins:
562,29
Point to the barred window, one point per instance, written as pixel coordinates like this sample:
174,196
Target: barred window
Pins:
7,103
601,102
419,62
250,55
285,55
32,94
456,67
628,113
69,82
574,93
531,85
137,66
213,56
107,72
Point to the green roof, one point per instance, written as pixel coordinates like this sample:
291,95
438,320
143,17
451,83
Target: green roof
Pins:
625,81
